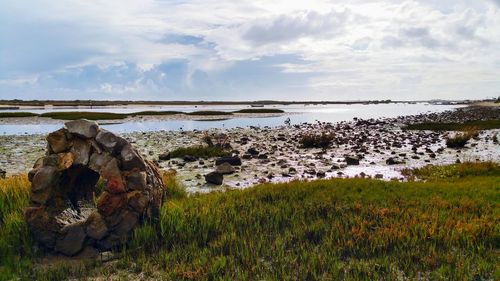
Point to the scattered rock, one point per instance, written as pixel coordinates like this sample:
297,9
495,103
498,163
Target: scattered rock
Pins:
352,160
214,178
233,160
225,168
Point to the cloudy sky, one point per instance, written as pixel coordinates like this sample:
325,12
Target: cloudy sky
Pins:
249,50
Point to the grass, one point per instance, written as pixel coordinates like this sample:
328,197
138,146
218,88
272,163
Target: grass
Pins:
479,125
260,110
16,114
74,115
454,171
208,113
200,152
355,229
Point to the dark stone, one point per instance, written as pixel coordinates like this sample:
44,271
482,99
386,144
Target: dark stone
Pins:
189,158
352,160
164,156
252,151
233,160
214,178
393,161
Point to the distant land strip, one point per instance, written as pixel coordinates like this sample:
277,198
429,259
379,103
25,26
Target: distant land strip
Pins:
73,115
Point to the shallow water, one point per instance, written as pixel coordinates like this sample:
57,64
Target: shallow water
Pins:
298,114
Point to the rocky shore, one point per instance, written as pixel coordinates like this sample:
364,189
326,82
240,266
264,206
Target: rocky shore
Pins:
378,148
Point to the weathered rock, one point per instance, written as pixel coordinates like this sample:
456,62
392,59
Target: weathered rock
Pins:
225,168
111,142
81,151
72,241
214,178
62,213
83,128
96,226
233,160
136,181
131,159
2,174
58,141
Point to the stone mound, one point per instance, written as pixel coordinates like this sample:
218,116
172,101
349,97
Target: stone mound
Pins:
91,189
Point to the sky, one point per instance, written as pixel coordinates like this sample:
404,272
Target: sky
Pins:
249,50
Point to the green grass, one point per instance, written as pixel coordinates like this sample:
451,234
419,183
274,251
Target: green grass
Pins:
154,113
355,229
16,114
454,171
259,110
74,115
478,125
199,151
208,113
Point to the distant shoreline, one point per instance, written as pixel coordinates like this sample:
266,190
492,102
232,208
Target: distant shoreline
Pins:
12,104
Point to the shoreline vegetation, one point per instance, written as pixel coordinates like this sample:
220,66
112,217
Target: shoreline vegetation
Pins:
73,115
445,228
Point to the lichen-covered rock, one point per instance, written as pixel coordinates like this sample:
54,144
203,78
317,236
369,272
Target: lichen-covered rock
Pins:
62,214
83,128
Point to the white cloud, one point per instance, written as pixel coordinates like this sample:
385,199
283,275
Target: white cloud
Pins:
343,49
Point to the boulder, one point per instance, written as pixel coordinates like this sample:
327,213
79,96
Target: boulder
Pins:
225,168
233,160
96,226
214,178
82,128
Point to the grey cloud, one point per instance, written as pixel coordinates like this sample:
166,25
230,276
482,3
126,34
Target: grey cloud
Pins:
420,35
289,27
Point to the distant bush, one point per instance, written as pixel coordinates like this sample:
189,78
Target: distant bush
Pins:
16,114
155,113
457,141
311,140
208,113
259,110
74,115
